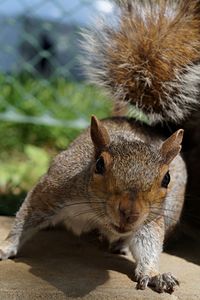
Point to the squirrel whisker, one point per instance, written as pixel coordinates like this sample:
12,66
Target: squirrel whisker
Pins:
82,203
93,221
154,214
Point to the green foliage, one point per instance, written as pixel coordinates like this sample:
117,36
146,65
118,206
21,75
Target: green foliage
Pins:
18,175
46,112
39,118
22,173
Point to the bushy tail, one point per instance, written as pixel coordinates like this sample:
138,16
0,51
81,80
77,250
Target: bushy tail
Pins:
150,57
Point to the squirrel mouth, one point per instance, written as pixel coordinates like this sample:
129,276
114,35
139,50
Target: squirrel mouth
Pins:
120,229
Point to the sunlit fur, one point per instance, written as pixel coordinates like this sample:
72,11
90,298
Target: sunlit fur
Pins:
148,55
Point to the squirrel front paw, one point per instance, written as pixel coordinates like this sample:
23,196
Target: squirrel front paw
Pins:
7,250
161,283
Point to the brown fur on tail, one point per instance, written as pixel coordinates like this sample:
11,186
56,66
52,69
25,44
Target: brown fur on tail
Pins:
149,57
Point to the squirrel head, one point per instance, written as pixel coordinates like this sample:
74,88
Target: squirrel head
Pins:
129,177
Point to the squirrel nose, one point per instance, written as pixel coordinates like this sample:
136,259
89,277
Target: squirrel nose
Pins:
126,215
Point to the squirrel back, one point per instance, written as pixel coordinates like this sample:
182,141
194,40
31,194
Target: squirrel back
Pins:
149,57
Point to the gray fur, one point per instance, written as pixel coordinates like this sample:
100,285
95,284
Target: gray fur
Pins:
65,194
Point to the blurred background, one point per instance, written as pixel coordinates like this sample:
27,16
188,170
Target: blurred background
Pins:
44,99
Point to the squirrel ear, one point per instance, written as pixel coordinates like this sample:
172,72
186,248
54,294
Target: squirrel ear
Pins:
172,146
99,135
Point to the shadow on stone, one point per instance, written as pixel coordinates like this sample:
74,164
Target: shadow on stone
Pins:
75,266
185,247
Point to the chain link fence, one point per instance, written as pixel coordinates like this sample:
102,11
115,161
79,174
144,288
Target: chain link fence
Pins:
44,100
39,66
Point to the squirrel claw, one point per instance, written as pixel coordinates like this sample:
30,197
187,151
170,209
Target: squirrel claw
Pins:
164,283
160,283
3,255
143,282
7,252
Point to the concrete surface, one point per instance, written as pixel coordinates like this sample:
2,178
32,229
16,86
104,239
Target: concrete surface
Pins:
57,265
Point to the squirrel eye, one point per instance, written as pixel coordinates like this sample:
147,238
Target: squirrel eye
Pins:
166,180
100,166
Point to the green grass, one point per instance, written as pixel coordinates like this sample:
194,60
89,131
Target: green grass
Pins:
41,112
39,118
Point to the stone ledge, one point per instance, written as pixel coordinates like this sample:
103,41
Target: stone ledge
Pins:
57,265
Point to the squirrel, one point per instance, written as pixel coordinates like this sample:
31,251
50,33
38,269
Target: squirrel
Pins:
148,57
123,177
